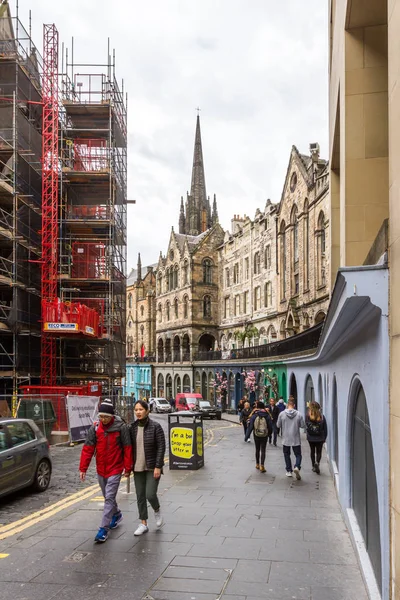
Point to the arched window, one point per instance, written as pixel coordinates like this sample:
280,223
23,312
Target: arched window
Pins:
141,330
282,261
267,257
321,242
227,278
159,284
268,294
167,288
130,345
306,248
207,271
171,278
256,263
295,252
176,277
141,311
130,301
176,308
185,273
168,307
185,307
207,306
160,385
186,384
159,310
160,351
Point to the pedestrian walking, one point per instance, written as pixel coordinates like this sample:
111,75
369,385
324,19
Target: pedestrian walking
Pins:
244,418
109,438
148,445
317,432
240,405
274,413
260,425
290,421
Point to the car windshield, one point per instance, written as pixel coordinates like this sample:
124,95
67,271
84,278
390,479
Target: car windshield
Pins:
205,404
162,401
192,400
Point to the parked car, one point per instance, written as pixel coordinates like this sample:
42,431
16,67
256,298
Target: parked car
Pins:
24,456
207,410
159,405
187,401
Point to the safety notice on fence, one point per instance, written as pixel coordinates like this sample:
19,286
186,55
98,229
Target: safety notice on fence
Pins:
82,411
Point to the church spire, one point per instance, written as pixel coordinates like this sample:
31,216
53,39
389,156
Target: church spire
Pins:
182,218
139,268
198,187
215,211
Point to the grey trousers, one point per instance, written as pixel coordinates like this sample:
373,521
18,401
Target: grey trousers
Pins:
109,487
146,490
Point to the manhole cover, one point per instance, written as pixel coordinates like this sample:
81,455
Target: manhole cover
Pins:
76,557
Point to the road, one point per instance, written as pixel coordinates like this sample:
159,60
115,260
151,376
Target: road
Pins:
65,480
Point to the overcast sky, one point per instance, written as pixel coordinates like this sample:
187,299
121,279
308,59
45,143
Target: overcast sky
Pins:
257,69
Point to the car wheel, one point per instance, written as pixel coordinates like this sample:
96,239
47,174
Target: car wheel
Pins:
219,417
42,476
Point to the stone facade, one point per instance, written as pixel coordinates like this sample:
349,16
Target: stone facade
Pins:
274,270
140,308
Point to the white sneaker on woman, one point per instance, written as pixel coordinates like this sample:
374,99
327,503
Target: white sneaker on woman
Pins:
159,518
141,529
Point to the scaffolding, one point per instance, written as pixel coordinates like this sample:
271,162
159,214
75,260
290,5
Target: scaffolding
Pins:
77,313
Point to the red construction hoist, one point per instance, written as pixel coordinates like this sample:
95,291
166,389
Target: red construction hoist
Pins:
49,194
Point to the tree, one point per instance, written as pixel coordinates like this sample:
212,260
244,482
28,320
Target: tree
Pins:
249,332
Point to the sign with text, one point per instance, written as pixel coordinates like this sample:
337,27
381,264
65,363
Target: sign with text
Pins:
185,442
82,411
70,327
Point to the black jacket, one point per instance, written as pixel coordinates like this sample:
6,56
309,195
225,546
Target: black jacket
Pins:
274,412
154,443
323,430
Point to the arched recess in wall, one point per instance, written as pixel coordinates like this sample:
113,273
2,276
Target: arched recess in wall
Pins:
335,415
186,384
320,391
168,386
160,385
363,484
231,390
211,394
293,387
283,391
309,392
178,388
197,382
204,385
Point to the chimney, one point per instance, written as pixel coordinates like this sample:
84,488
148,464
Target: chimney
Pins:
236,223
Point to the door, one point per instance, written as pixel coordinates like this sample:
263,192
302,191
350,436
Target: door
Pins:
21,455
5,461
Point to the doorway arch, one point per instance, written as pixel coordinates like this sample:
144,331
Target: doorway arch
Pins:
186,384
364,488
160,385
293,387
309,392
168,386
320,391
335,414
177,384
283,390
204,386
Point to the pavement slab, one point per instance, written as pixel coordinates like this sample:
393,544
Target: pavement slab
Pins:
230,533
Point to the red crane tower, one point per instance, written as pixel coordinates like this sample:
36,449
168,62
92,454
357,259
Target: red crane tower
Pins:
50,167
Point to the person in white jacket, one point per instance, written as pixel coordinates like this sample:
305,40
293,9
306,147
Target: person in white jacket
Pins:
290,421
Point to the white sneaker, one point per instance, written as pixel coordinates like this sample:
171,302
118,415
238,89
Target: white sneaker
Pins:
249,441
296,471
159,519
141,529
288,473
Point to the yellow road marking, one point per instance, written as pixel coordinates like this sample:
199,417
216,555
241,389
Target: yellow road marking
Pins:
4,555
41,515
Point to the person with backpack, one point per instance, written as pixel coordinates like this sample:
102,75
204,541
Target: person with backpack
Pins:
109,438
317,432
260,425
148,443
290,421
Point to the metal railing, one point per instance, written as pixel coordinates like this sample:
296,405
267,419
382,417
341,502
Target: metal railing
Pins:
308,340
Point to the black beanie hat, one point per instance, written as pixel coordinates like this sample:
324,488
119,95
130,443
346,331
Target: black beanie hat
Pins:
106,408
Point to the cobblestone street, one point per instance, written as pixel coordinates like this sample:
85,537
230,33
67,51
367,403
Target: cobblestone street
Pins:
230,533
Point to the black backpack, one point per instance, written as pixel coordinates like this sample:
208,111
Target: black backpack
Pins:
314,428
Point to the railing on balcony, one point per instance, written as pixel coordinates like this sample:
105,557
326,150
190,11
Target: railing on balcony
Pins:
186,357
308,340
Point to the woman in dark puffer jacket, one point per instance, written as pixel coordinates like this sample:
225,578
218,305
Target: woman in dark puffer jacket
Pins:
148,448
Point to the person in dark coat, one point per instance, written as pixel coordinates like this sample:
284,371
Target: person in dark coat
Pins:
274,412
317,432
244,417
260,425
148,449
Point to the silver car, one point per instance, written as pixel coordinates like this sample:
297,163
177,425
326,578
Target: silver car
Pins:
24,456
159,405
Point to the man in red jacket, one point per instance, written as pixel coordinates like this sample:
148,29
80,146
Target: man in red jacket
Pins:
111,441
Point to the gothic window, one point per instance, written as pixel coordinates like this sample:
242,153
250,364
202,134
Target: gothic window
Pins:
267,257
141,311
168,311
175,277
283,259
167,288
207,306
236,273
266,223
130,345
130,301
171,279
256,263
257,298
207,271
295,252
227,278
185,272
268,294
306,247
320,233
159,313
142,330
176,308
159,284
185,307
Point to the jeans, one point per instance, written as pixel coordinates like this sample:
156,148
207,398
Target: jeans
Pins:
274,432
315,447
288,460
244,423
109,487
146,487
261,445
